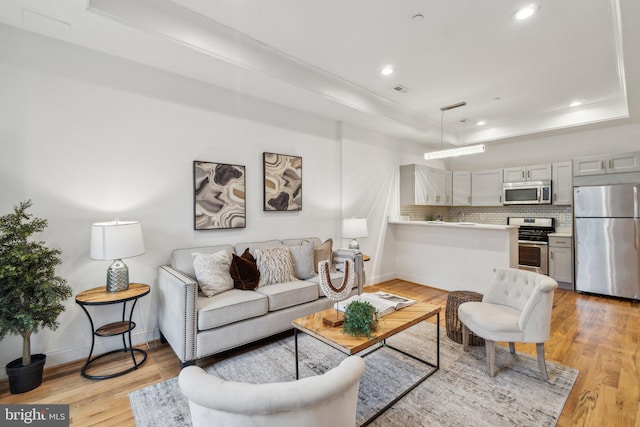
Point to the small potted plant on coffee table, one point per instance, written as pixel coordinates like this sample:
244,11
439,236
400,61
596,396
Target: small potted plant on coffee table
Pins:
360,319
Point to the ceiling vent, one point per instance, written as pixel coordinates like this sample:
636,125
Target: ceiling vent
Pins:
400,88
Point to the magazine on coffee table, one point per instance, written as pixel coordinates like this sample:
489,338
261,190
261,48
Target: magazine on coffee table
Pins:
384,302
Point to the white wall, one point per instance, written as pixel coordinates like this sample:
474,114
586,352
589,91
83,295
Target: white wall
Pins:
89,137
370,177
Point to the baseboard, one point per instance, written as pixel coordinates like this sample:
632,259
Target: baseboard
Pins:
102,345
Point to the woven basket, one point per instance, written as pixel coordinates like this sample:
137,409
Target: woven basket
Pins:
454,326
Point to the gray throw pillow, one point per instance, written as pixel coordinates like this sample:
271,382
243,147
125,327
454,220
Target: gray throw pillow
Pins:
303,261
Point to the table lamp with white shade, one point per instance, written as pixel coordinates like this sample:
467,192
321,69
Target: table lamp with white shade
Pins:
113,241
354,228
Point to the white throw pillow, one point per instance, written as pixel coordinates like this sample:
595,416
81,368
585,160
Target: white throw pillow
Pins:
303,261
212,272
275,265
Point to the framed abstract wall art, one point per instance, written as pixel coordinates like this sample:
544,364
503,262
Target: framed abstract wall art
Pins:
219,196
282,182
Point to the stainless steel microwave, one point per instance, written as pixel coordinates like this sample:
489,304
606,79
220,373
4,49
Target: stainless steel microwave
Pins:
526,193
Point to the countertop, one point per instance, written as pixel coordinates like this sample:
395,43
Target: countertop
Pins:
562,232
456,225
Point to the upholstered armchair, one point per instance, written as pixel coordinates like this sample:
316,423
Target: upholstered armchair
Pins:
516,308
325,400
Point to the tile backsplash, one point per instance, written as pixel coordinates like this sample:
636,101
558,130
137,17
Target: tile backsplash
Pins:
489,214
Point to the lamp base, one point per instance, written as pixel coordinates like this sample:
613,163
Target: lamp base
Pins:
117,276
354,245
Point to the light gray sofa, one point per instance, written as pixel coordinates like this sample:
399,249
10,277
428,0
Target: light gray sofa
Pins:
197,326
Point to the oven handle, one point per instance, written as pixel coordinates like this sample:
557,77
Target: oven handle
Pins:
531,244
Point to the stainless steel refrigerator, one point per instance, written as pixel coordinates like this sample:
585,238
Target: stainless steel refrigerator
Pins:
608,239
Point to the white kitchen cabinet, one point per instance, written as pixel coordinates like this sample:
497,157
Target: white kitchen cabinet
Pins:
527,173
413,185
603,164
486,188
448,188
461,189
435,186
561,261
421,185
561,183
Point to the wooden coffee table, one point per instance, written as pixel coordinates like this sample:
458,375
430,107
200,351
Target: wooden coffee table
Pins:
388,326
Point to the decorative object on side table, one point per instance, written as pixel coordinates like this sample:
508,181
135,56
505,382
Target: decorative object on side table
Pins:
360,319
282,182
333,293
354,228
218,196
113,241
31,294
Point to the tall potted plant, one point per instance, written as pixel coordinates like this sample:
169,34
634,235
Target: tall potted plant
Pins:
31,294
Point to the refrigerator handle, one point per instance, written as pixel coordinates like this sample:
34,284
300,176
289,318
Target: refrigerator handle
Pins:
636,220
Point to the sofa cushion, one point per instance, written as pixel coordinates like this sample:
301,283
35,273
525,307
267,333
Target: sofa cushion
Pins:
212,272
229,307
182,260
244,271
275,265
303,260
288,294
240,247
295,242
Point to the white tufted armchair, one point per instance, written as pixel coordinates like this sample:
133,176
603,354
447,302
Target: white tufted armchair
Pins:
516,308
329,399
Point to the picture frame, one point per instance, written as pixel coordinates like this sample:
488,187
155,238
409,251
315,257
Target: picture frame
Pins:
219,196
282,182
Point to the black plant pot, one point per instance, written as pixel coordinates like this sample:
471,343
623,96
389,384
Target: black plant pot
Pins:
26,378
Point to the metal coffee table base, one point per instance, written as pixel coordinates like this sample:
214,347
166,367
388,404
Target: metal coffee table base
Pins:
378,347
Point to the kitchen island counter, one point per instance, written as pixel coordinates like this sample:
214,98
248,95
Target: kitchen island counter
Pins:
451,255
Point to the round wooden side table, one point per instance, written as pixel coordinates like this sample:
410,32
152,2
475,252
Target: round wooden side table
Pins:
454,326
100,296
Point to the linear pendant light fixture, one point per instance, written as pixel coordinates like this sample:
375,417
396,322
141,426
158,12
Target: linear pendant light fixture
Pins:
452,152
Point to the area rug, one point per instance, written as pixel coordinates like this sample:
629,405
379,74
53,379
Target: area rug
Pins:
459,394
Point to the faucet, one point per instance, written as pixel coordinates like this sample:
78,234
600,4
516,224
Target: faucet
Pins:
458,216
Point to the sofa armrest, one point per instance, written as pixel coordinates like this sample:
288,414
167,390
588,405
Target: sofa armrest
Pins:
177,314
339,255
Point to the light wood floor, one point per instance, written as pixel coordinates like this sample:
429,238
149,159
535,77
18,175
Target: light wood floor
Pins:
598,336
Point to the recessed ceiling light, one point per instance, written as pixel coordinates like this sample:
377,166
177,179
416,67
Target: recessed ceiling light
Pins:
525,13
481,123
387,70
575,104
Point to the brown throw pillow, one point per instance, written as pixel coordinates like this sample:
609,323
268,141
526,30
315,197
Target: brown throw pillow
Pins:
244,271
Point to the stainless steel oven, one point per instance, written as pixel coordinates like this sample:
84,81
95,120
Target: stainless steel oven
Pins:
533,249
533,256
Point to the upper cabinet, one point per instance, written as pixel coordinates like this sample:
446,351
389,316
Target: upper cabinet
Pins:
435,186
599,165
448,188
527,173
422,185
486,188
461,189
413,182
561,183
